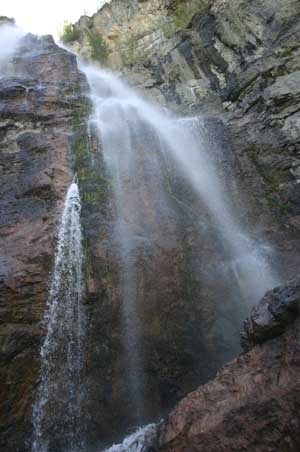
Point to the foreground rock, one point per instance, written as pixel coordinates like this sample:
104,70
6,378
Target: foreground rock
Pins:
254,402
276,311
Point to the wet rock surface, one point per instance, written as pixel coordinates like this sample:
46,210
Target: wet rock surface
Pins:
278,309
44,141
253,403
242,68
237,63
36,114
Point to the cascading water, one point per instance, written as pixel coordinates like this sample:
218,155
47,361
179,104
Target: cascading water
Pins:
57,420
10,37
248,260
125,123
123,120
140,441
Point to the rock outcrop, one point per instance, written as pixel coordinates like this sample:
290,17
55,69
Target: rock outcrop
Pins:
272,315
37,109
253,404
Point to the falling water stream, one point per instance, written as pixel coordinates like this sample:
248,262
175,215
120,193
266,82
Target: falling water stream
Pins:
119,116
9,41
118,111
139,441
58,424
122,119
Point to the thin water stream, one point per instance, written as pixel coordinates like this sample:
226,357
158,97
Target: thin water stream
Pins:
57,420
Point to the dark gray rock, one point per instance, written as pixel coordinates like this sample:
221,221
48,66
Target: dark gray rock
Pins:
253,404
278,309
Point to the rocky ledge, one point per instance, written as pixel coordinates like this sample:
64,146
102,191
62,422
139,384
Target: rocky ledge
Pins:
253,404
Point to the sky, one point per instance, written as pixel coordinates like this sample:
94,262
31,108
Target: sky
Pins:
47,16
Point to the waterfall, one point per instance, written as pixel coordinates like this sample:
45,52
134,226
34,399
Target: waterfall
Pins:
10,37
126,124
248,259
57,409
118,109
141,440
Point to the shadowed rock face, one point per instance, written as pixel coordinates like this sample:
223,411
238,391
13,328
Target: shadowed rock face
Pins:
278,309
253,404
37,106
235,60
177,299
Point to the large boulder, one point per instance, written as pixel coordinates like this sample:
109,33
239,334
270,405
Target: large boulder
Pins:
278,309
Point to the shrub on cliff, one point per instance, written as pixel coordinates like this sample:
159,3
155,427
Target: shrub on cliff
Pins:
69,33
99,49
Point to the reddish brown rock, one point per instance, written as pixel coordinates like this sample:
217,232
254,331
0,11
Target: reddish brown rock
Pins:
253,404
189,316
36,121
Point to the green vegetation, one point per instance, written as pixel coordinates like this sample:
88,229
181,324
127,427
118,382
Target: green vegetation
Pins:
99,48
93,186
168,29
276,203
285,51
184,12
6,20
273,181
70,33
181,15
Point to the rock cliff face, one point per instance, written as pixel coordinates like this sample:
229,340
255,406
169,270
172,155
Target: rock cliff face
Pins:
37,109
253,404
237,60
237,64
44,141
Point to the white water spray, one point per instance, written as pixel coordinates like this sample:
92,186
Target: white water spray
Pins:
126,123
117,108
10,37
57,409
139,441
